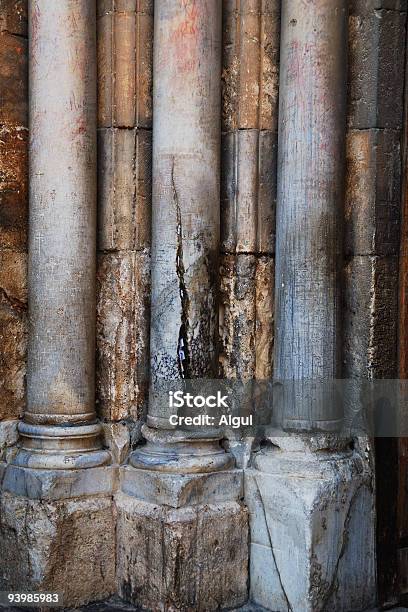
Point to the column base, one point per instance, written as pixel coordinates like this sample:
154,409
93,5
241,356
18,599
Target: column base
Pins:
60,447
312,528
64,546
188,558
180,452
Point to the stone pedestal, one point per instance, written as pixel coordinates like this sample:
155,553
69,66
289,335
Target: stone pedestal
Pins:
312,527
182,543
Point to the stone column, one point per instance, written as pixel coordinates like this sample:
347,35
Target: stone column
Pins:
59,429
47,498
183,479
309,494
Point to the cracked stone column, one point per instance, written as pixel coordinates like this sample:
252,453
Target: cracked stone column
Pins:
309,491
59,435
182,481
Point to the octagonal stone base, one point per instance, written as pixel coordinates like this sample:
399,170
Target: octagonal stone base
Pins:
188,558
312,528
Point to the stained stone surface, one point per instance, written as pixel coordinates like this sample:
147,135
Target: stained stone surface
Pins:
62,546
191,558
312,530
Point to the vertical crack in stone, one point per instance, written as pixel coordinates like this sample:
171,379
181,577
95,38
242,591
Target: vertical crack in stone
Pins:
183,356
345,533
290,609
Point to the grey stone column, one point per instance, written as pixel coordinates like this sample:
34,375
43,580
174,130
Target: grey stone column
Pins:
46,496
309,491
59,429
180,494
185,228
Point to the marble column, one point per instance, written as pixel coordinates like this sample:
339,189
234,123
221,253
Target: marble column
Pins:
182,478
47,496
59,429
309,490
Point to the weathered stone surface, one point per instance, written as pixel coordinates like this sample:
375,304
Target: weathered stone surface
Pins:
13,17
250,64
63,546
117,438
124,189
192,558
13,78
55,484
125,57
8,439
123,290
246,316
13,187
319,509
13,333
178,490
370,317
376,63
372,209
248,192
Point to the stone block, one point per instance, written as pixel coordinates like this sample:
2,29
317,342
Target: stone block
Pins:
8,439
312,531
250,75
13,187
13,333
117,438
373,193
370,317
248,192
122,338
246,316
13,17
191,558
376,63
178,490
51,485
125,57
124,195
13,79
65,546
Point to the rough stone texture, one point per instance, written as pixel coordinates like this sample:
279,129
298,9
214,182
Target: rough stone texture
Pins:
319,509
373,194
178,490
13,186
125,55
192,558
376,63
64,546
370,317
13,69
123,290
13,333
250,64
8,438
124,189
13,205
13,16
117,438
246,316
59,484
248,192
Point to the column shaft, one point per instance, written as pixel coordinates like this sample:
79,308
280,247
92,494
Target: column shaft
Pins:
185,224
60,372
309,207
